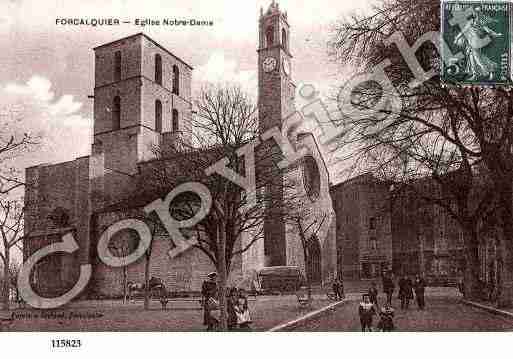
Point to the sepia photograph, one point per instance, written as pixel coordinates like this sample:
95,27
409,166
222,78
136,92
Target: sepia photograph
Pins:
255,166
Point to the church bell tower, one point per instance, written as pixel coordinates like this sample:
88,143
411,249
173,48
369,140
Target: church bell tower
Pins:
275,103
275,87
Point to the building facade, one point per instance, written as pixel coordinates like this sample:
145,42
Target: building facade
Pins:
381,228
143,99
426,239
364,238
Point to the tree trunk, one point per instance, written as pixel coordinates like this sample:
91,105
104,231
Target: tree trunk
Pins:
222,275
7,280
472,290
505,285
147,289
125,284
307,272
505,297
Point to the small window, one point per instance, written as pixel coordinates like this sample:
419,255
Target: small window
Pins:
373,243
284,39
158,116
158,69
269,35
176,126
372,223
117,66
366,272
176,80
116,113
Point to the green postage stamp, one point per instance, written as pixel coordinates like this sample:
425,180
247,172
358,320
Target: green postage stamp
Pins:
476,48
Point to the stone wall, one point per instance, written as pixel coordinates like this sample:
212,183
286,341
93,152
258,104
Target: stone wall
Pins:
61,188
184,273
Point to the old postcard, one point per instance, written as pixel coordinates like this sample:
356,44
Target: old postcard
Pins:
255,166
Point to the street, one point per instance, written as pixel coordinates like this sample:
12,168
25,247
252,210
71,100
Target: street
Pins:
441,314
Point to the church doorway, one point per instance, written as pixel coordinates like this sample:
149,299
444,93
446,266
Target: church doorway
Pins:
313,262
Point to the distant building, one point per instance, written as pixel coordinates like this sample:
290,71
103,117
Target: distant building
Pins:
380,228
426,240
364,239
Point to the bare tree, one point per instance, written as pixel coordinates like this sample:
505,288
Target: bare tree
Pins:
154,226
126,242
14,270
225,122
11,229
123,249
443,132
13,144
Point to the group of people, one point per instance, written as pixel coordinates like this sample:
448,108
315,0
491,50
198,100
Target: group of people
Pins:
406,289
238,315
369,307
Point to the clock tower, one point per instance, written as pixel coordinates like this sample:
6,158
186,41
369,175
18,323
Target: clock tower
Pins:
275,103
275,87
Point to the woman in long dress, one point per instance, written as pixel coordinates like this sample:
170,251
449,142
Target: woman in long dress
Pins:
472,39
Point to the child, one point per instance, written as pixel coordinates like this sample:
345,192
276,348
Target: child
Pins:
242,312
386,323
366,311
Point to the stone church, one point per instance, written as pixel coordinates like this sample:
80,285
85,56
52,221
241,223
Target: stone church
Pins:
143,97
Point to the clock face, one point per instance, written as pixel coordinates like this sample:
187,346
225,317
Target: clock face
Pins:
269,64
286,66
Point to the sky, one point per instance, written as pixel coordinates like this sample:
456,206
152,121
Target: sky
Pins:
47,70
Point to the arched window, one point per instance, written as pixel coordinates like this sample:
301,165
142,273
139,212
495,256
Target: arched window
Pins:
158,116
176,126
158,69
117,66
284,39
269,35
176,80
116,113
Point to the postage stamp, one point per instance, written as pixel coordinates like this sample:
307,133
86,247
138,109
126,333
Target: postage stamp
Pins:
477,42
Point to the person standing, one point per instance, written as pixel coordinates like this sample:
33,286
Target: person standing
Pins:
419,285
366,311
209,301
338,289
373,294
405,291
388,287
